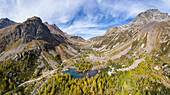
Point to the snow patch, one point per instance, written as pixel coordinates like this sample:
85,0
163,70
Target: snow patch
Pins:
164,66
138,39
110,72
142,45
157,68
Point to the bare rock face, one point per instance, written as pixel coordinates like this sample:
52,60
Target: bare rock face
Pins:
4,22
151,15
54,29
59,34
77,38
33,34
33,28
111,30
146,17
147,32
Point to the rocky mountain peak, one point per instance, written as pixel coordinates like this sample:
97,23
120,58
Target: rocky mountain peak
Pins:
146,17
4,19
33,28
151,15
4,22
53,28
45,22
34,19
77,38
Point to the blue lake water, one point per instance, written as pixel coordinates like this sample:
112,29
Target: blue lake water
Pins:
75,74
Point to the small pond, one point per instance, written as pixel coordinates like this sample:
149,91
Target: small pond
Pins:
75,74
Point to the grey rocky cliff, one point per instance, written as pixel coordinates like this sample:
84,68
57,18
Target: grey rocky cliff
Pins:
4,22
33,28
146,17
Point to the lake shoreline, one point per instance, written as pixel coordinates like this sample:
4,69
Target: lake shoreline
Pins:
81,71
76,74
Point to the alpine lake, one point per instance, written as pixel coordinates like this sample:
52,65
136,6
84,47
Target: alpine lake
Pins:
75,74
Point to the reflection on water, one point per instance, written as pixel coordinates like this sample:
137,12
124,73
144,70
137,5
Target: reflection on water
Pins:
75,74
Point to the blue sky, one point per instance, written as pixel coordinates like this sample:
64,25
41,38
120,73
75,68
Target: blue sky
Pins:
86,18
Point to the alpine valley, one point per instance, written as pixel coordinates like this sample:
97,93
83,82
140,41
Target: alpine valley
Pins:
133,59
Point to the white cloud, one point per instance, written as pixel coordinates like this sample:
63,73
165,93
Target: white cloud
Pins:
20,10
81,15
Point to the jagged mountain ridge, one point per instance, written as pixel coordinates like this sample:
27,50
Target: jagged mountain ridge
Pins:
71,38
33,35
144,34
133,38
4,22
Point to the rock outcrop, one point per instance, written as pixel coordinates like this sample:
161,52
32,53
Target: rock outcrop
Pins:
4,22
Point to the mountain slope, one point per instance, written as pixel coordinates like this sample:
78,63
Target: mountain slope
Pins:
32,48
34,51
147,37
144,34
